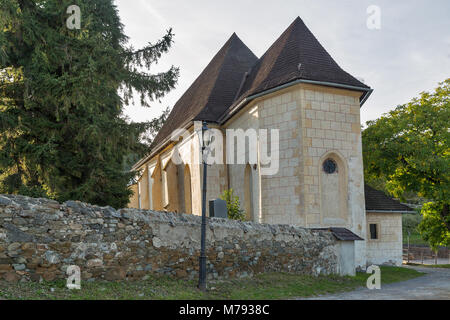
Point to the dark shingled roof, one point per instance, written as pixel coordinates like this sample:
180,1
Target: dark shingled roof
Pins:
235,74
342,234
378,201
280,64
213,91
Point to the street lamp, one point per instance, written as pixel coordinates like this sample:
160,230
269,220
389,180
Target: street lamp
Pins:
205,141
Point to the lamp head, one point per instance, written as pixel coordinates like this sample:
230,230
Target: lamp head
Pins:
207,136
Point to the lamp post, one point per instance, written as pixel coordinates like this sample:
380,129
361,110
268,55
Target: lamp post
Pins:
202,260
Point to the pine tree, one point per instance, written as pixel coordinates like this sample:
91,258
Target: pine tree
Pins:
62,92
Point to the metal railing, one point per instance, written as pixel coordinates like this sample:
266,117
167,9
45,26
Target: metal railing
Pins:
424,255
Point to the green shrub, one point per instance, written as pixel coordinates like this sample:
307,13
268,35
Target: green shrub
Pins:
433,227
233,205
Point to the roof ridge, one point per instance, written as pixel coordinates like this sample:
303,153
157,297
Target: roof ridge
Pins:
244,78
234,41
296,21
203,100
233,38
221,87
296,46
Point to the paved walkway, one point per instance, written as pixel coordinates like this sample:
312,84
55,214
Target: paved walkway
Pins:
435,285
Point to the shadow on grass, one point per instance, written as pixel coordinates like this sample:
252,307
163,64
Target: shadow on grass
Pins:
262,286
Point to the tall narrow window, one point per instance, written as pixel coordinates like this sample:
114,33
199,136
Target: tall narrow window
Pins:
373,231
333,190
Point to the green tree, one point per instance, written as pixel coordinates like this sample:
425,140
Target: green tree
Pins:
233,205
409,148
152,128
155,125
434,225
62,93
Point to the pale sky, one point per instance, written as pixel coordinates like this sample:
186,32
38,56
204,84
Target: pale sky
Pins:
410,52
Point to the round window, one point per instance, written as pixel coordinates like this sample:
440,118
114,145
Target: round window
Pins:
329,166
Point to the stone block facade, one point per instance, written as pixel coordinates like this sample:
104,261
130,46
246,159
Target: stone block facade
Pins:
387,248
315,124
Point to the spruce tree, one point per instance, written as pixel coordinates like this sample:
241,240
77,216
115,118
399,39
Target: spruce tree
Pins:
62,92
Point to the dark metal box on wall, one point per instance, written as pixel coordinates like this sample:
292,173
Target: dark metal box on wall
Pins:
218,209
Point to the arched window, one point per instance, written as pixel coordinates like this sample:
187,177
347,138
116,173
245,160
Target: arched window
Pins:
333,190
170,185
248,188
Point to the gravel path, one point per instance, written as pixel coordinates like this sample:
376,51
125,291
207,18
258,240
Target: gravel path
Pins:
435,285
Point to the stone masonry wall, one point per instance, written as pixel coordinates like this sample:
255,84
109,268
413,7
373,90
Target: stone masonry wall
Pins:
40,238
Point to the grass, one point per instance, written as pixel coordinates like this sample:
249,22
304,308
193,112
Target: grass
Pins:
263,286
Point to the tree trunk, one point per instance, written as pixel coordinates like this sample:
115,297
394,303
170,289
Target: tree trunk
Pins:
444,215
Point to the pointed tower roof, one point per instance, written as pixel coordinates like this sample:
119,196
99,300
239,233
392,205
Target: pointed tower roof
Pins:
235,76
296,55
213,91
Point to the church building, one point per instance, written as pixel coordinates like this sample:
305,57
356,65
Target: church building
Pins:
298,89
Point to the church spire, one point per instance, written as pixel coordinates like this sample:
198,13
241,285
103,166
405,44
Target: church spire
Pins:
296,54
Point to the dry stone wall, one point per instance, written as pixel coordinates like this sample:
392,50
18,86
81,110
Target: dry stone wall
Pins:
40,238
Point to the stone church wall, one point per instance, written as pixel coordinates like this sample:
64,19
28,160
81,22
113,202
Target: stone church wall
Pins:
40,238
316,123
331,129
